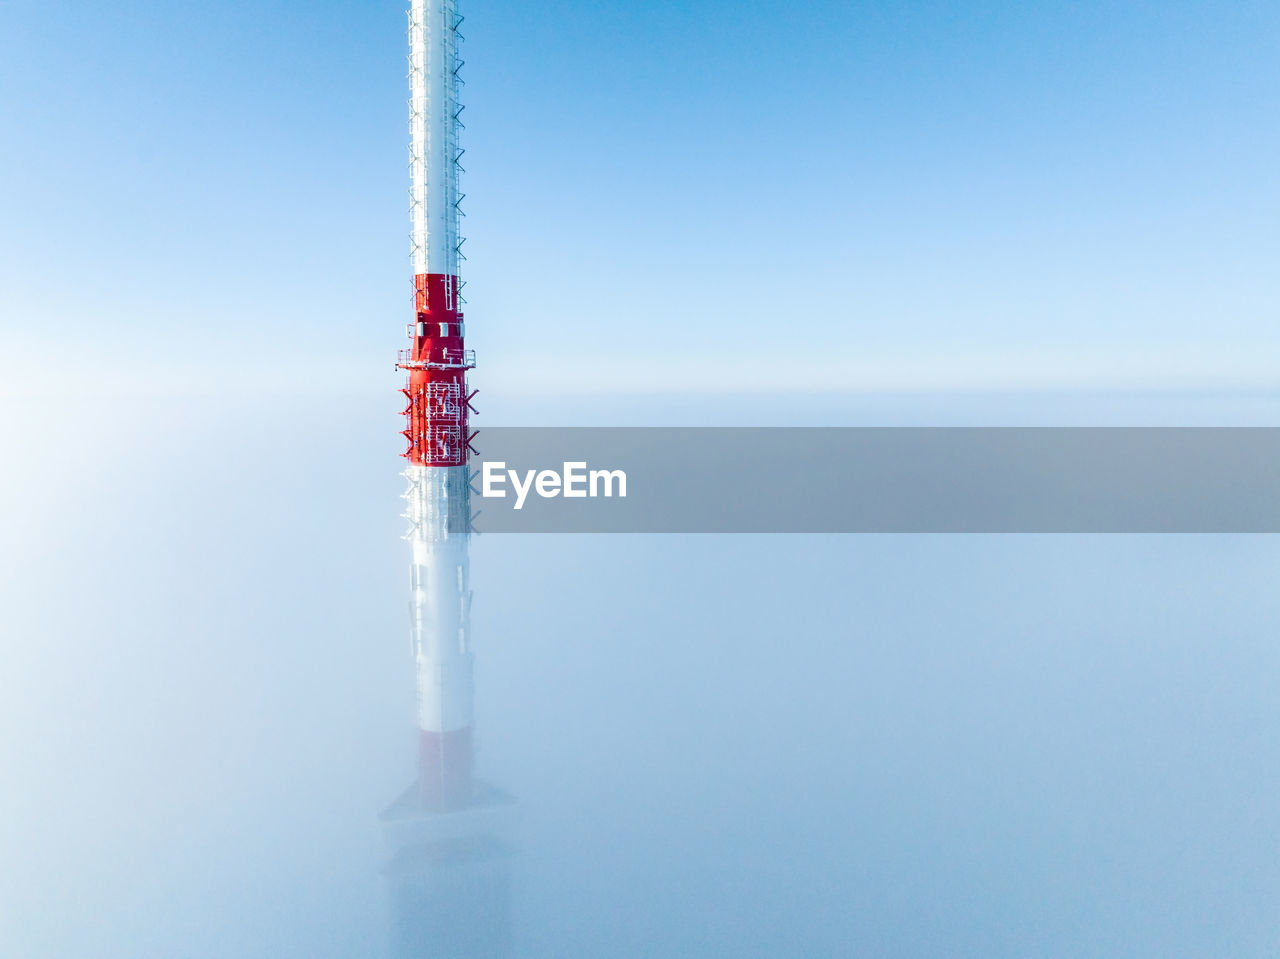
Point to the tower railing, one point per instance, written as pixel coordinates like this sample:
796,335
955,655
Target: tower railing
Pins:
450,360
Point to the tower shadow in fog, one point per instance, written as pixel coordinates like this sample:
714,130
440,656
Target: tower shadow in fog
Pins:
450,875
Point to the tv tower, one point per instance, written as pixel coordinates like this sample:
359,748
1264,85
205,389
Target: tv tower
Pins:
450,884
437,404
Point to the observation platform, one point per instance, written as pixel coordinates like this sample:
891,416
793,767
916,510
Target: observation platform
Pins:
450,360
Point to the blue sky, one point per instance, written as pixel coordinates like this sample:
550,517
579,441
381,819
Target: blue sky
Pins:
716,195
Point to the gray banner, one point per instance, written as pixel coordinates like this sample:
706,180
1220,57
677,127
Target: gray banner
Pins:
869,480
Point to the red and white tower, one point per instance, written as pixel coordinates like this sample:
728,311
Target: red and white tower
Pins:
449,875
437,407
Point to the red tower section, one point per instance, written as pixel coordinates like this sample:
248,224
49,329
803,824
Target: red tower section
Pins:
437,399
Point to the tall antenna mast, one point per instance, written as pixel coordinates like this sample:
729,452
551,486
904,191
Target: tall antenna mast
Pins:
437,407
